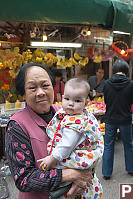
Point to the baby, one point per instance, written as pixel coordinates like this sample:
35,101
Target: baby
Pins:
75,137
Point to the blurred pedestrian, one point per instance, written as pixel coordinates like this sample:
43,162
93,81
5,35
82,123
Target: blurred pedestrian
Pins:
59,87
96,83
118,96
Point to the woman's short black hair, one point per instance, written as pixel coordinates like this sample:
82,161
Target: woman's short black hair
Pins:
121,65
20,78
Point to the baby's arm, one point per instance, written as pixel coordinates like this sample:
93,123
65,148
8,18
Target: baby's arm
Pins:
70,139
48,162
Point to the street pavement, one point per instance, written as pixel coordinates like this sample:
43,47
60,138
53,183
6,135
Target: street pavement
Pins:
110,187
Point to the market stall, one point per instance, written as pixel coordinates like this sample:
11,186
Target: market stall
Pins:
75,39
95,48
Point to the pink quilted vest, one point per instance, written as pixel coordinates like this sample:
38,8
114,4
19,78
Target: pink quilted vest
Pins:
30,122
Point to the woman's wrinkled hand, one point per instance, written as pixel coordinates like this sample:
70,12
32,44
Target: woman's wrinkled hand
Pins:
75,191
85,178
81,180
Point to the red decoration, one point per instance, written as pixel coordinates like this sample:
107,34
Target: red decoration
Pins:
121,49
130,52
5,77
107,54
91,51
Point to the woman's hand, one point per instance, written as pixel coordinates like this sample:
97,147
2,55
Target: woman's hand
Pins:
75,191
80,178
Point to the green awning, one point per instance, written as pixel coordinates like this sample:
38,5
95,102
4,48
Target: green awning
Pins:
58,11
123,16
111,14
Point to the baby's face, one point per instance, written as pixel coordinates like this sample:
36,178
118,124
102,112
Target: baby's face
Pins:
74,100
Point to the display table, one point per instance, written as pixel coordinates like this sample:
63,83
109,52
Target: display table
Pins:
98,109
4,118
2,141
3,123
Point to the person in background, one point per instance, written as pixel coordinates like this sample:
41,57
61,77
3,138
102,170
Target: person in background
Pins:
59,87
118,96
75,137
96,83
26,138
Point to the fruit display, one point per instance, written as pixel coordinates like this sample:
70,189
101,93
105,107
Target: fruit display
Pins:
93,106
12,59
99,99
59,103
7,105
96,107
81,61
102,127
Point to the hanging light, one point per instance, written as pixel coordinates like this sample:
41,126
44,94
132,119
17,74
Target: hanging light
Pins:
56,44
89,33
44,37
85,32
123,33
122,52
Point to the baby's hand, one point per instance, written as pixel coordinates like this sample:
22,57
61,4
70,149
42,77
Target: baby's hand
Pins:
43,164
47,162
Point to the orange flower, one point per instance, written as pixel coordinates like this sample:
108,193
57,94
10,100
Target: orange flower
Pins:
5,87
90,155
72,118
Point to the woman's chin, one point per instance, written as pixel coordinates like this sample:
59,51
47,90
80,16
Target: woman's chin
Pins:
42,108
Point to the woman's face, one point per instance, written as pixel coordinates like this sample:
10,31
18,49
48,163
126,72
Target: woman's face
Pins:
39,93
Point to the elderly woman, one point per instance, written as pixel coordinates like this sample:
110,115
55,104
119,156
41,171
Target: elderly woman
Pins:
26,139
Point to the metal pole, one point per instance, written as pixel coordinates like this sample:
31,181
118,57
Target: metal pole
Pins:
110,67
